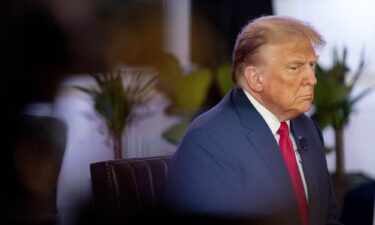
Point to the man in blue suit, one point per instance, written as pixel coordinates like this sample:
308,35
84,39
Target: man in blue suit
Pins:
231,162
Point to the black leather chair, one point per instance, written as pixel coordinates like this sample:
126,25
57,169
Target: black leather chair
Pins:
129,187
131,191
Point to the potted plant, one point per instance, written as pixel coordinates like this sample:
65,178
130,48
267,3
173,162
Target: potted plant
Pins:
334,104
117,98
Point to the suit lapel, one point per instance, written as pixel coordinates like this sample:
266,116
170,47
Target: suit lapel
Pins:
310,173
261,137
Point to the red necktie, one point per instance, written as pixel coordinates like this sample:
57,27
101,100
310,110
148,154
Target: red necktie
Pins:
287,150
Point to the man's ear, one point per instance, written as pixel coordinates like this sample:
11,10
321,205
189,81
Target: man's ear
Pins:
253,78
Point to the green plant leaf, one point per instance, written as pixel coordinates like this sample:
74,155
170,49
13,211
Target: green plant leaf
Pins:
224,78
170,72
175,133
190,92
361,95
328,150
358,72
88,91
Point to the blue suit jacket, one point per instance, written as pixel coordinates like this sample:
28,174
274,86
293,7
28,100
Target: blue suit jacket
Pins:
229,164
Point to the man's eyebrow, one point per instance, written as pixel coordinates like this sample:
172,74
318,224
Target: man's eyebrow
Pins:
301,61
296,61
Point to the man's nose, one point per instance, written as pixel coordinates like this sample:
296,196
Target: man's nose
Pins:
310,77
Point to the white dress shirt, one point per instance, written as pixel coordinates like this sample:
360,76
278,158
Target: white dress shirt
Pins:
274,124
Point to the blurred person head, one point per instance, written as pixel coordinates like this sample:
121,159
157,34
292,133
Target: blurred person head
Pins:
274,60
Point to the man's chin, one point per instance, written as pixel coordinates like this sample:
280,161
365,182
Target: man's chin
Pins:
306,109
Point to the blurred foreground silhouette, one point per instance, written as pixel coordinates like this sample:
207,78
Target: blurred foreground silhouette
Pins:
43,42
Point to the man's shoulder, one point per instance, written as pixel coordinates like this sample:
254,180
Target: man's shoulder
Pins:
304,120
302,116
221,115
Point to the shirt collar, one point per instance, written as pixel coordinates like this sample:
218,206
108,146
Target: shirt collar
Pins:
271,120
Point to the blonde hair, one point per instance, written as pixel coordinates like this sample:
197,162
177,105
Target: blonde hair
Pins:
265,30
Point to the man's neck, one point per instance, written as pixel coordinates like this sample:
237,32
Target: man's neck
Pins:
281,116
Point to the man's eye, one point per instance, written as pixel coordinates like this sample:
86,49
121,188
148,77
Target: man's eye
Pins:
292,68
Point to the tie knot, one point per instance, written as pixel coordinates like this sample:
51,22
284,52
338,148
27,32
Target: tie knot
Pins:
284,129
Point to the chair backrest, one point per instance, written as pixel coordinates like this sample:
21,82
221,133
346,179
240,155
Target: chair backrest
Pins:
129,187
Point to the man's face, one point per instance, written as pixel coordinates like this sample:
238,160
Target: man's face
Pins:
288,77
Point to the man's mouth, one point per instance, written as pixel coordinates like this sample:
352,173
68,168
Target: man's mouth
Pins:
307,97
